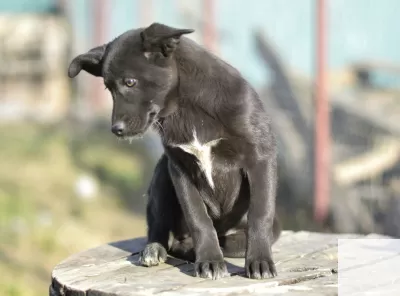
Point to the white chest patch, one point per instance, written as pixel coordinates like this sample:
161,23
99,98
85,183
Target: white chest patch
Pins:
202,151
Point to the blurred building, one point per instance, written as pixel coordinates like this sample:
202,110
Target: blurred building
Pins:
359,29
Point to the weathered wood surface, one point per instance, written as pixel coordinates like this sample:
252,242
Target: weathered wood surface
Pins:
306,263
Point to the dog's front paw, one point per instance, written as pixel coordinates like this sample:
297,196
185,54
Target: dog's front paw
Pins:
211,269
152,255
260,267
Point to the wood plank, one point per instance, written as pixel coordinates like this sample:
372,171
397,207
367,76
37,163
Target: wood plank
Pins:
303,243
302,258
241,285
84,270
321,286
134,280
295,275
169,279
104,253
321,261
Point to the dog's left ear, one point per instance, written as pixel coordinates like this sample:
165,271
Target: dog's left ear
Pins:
90,62
161,38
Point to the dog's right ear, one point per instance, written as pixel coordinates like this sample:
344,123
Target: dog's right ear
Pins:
91,62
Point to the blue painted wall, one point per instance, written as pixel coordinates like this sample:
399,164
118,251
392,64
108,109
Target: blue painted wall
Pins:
358,28
18,6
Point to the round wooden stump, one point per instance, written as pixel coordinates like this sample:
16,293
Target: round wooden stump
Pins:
306,263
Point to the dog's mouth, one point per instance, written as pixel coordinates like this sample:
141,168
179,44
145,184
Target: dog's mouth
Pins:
130,139
131,136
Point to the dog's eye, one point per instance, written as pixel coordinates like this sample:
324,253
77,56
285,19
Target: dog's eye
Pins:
130,82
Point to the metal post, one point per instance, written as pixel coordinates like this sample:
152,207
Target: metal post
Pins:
145,12
322,120
209,30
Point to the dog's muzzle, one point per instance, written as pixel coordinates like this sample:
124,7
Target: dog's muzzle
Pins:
118,128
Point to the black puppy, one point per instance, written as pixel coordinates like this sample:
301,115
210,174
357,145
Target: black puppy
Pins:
214,188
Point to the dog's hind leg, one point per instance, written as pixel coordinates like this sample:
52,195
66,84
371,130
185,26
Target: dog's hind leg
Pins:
234,245
183,249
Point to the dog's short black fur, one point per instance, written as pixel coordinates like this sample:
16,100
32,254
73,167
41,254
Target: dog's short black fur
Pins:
214,187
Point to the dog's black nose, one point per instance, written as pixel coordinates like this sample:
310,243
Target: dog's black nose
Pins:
118,128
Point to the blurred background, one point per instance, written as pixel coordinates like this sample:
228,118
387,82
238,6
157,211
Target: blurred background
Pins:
328,75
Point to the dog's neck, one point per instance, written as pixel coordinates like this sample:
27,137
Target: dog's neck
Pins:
201,84
170,105
198,80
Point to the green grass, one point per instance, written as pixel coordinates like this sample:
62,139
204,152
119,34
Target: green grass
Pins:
40,215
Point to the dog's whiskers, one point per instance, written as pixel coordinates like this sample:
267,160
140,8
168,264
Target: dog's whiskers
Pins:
159,126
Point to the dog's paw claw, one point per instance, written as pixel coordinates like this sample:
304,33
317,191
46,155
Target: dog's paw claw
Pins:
260,269
211,269
152,255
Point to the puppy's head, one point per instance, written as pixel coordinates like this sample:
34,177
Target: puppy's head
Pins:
139,70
